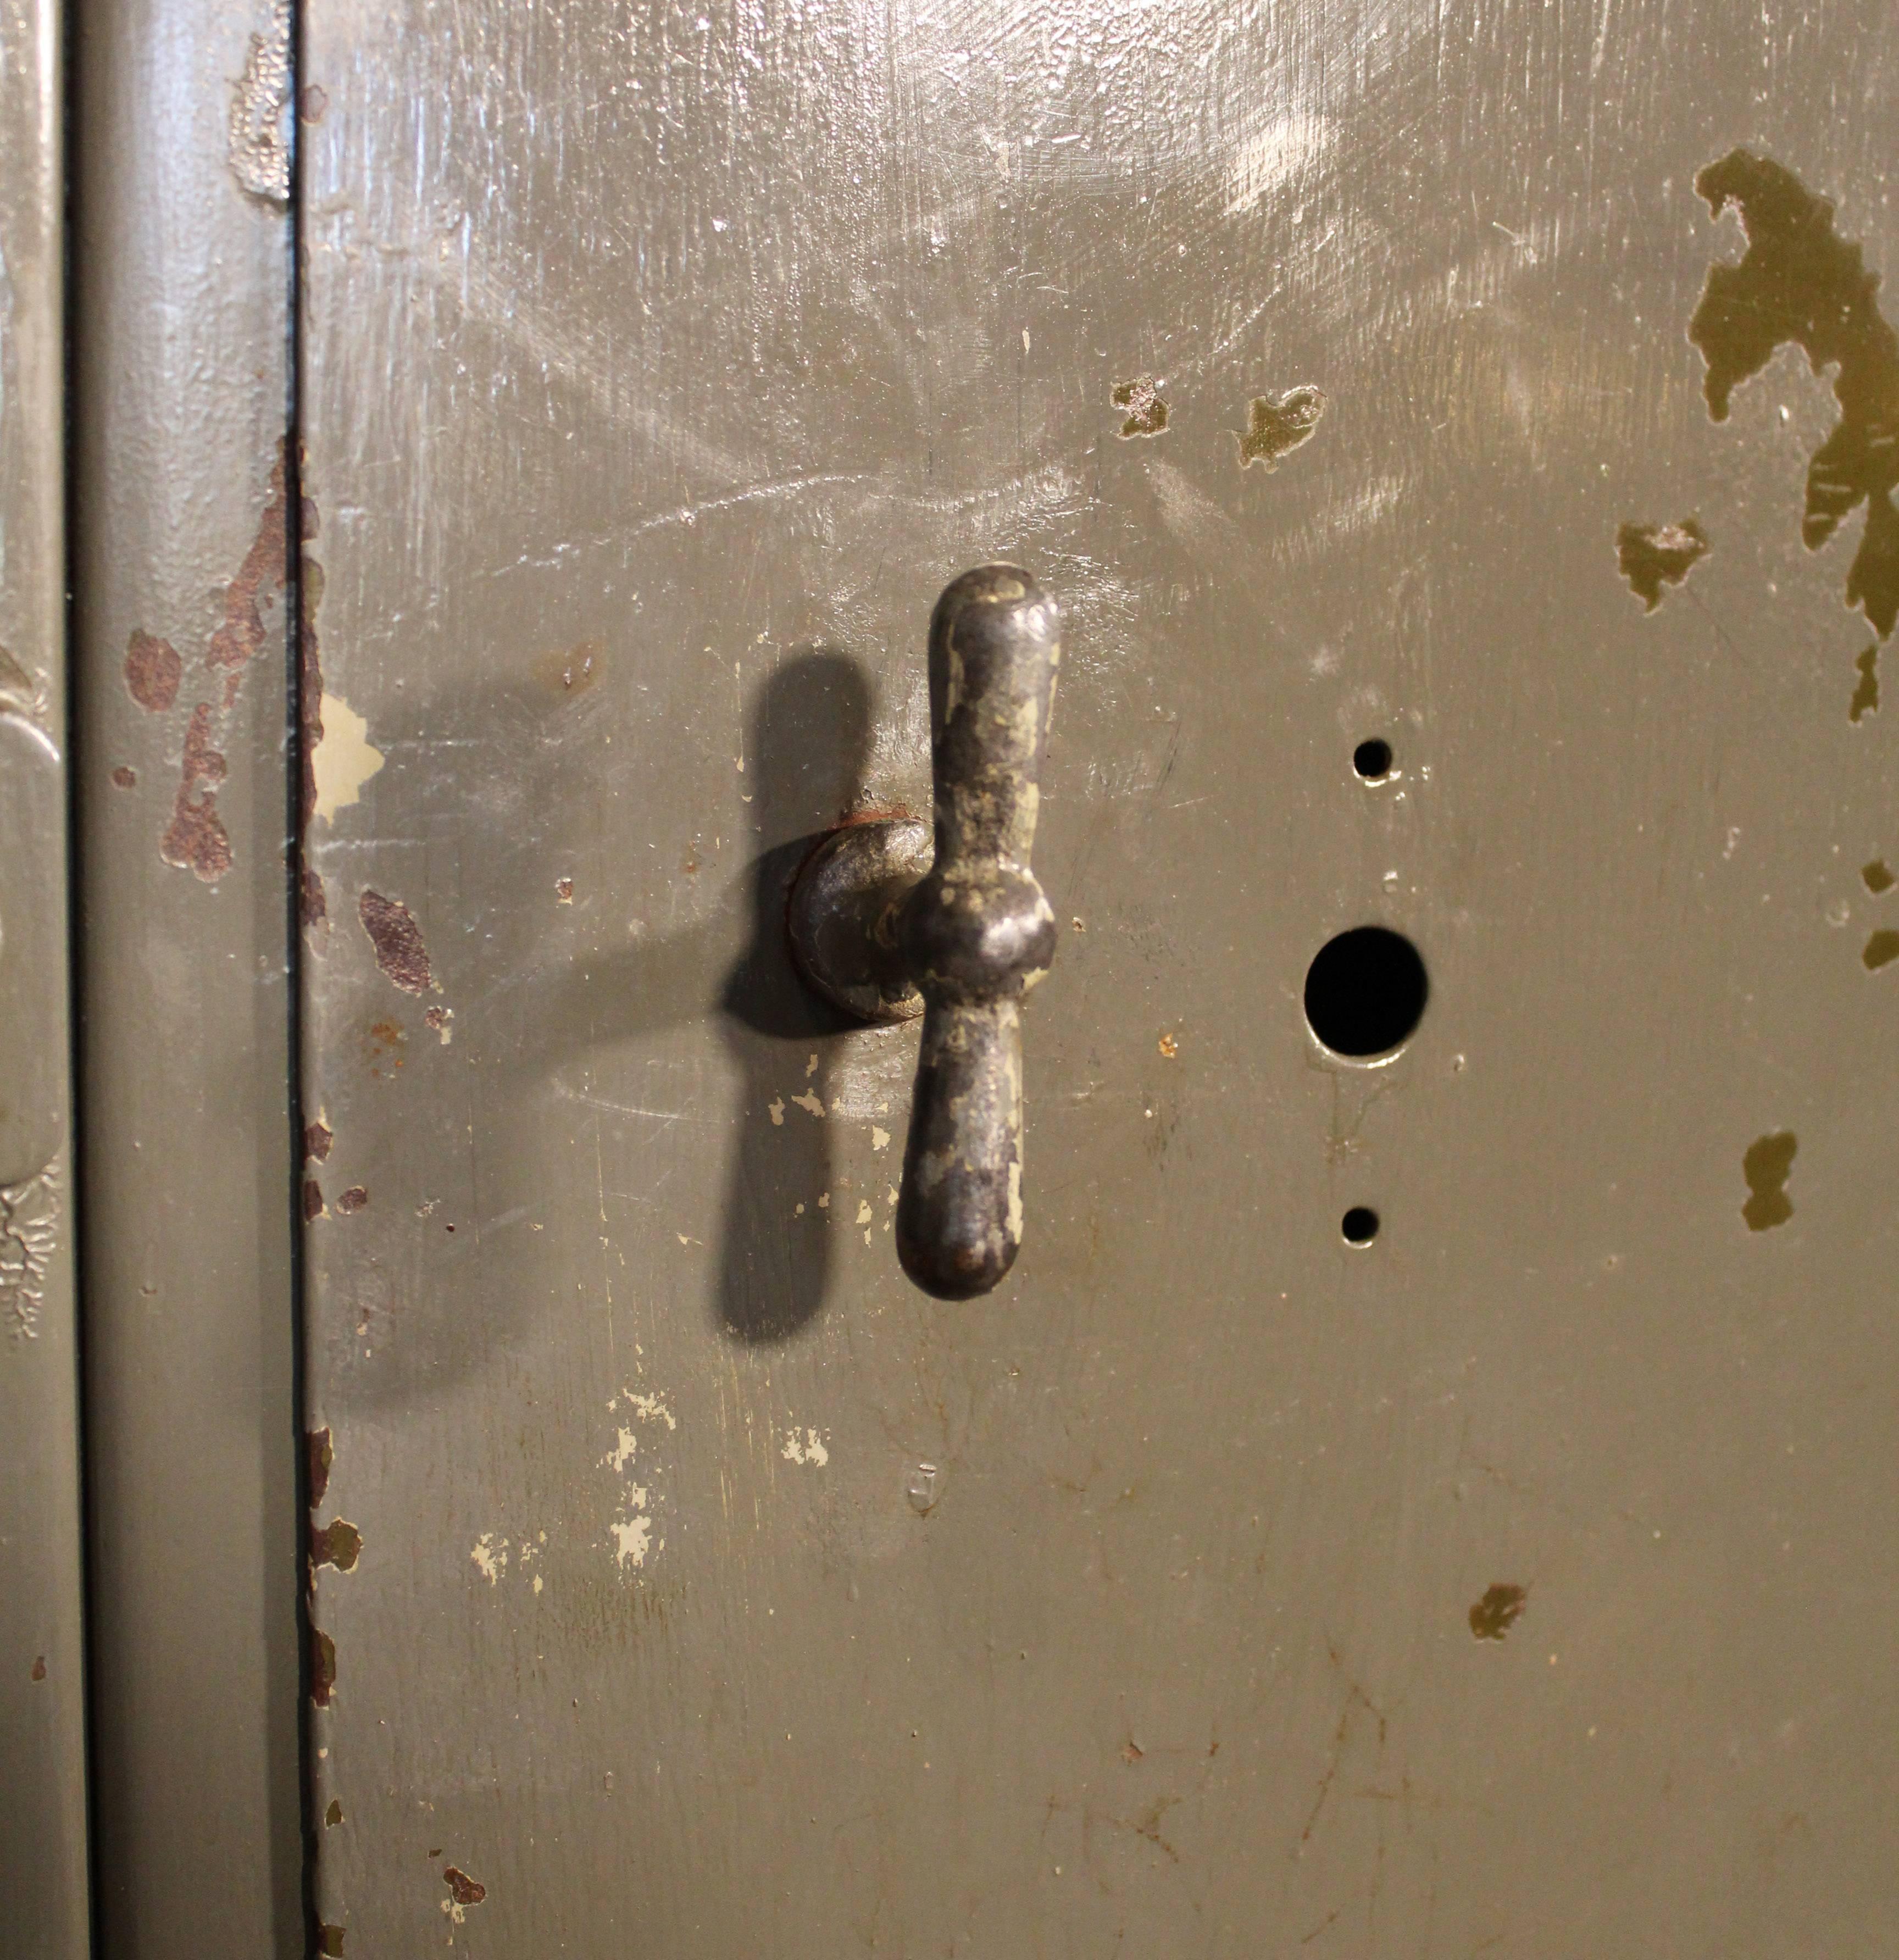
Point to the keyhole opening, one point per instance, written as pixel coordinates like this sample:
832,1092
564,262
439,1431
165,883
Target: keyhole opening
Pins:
1365,992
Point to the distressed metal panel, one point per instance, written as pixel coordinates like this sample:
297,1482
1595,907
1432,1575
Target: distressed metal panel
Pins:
181,263
43,1786
1516,1584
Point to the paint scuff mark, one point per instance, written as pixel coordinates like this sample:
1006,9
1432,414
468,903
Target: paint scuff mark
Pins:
196,840
1147,410
1277,424
1866,692
258,147
343,761
1800,283
319,1456
153,671
1498,1610
338,1543
322,1668
1766,1165
805,1446
398,942
1651,556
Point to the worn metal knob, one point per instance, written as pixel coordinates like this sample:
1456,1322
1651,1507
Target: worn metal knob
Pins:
883,927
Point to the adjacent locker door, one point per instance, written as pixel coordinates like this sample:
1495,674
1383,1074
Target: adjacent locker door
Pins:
1509,388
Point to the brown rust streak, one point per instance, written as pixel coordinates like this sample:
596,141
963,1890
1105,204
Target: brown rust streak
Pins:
196,840
153,671
241,632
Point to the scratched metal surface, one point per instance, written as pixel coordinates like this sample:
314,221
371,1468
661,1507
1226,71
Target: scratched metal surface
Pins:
180,249
663,363
42,1781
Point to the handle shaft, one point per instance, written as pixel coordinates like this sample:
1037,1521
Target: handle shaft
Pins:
977,933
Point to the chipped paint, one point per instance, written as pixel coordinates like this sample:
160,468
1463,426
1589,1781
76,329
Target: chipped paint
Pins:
1652,556
397,939
805,1446
810,1100
29,1233
153,671
1277,424
196,840
633,1535
343,760
338,1544
775,1109
258,147
1147,410
490,1557
880,1138
623,1452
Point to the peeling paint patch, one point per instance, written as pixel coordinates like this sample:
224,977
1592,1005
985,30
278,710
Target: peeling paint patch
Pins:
313,906
464,1890
651,1408
1767,1164
196,840
490,1555
338,1544
1866,693
1277,424
1876,877
805,1446
153,671
439,1019
880,1138
633,1535
1651,556
775,1109
398,942
319,1456
258,147
333,1815
313,1201
322,1668
1881,950
1497,1612
1146,412
240,633
317,1138
623,1452
811,1101
354,1199
343,761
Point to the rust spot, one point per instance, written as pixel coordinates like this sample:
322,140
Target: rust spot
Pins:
573,670
153,671
333,1815
1498,1611
312,104
317,1139
1146,412
1766,1165
564,891
241,632
196,839
124,777
312,1200
354,1199
462,1889
38,1667
398,940
322,1667
338,1543
329,1942
1169,1046
312,907
320,1455
436,1018
1652,555
382,1047
1131,1752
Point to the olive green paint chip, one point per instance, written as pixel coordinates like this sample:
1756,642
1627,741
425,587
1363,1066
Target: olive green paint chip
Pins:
1881,950
1877,878
1866,693
1766,1165
1277,424
1651,556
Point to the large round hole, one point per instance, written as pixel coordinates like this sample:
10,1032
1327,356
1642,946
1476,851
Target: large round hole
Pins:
1365,993
1373,759
1360,1226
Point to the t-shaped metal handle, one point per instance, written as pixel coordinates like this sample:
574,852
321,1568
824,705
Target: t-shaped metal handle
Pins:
885,928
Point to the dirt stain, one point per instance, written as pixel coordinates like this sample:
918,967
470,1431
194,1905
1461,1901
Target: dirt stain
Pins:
1801,285
1498,1611
1766,1165
1277,424
398,941
1146,412
1652,556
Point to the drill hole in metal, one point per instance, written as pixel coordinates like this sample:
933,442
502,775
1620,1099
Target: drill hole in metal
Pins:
1360,1226
1373,759
1365,992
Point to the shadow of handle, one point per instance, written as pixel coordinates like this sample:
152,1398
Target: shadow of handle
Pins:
977,933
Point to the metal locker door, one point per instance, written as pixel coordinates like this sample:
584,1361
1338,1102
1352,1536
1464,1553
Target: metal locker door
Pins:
1421,1492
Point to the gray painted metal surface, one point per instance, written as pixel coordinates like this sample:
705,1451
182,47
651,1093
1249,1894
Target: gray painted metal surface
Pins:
43,1787
181,255
1518,1582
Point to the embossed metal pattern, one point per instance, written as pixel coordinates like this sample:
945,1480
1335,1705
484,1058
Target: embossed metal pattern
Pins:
1227,1582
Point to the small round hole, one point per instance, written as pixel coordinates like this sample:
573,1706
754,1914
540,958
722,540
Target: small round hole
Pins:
1373,759
1360,1226
1364,992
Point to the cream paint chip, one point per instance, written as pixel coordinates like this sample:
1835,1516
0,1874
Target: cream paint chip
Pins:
810,1100
490,1555
632,1536
879,1139
804,1445
344,760
776,1108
